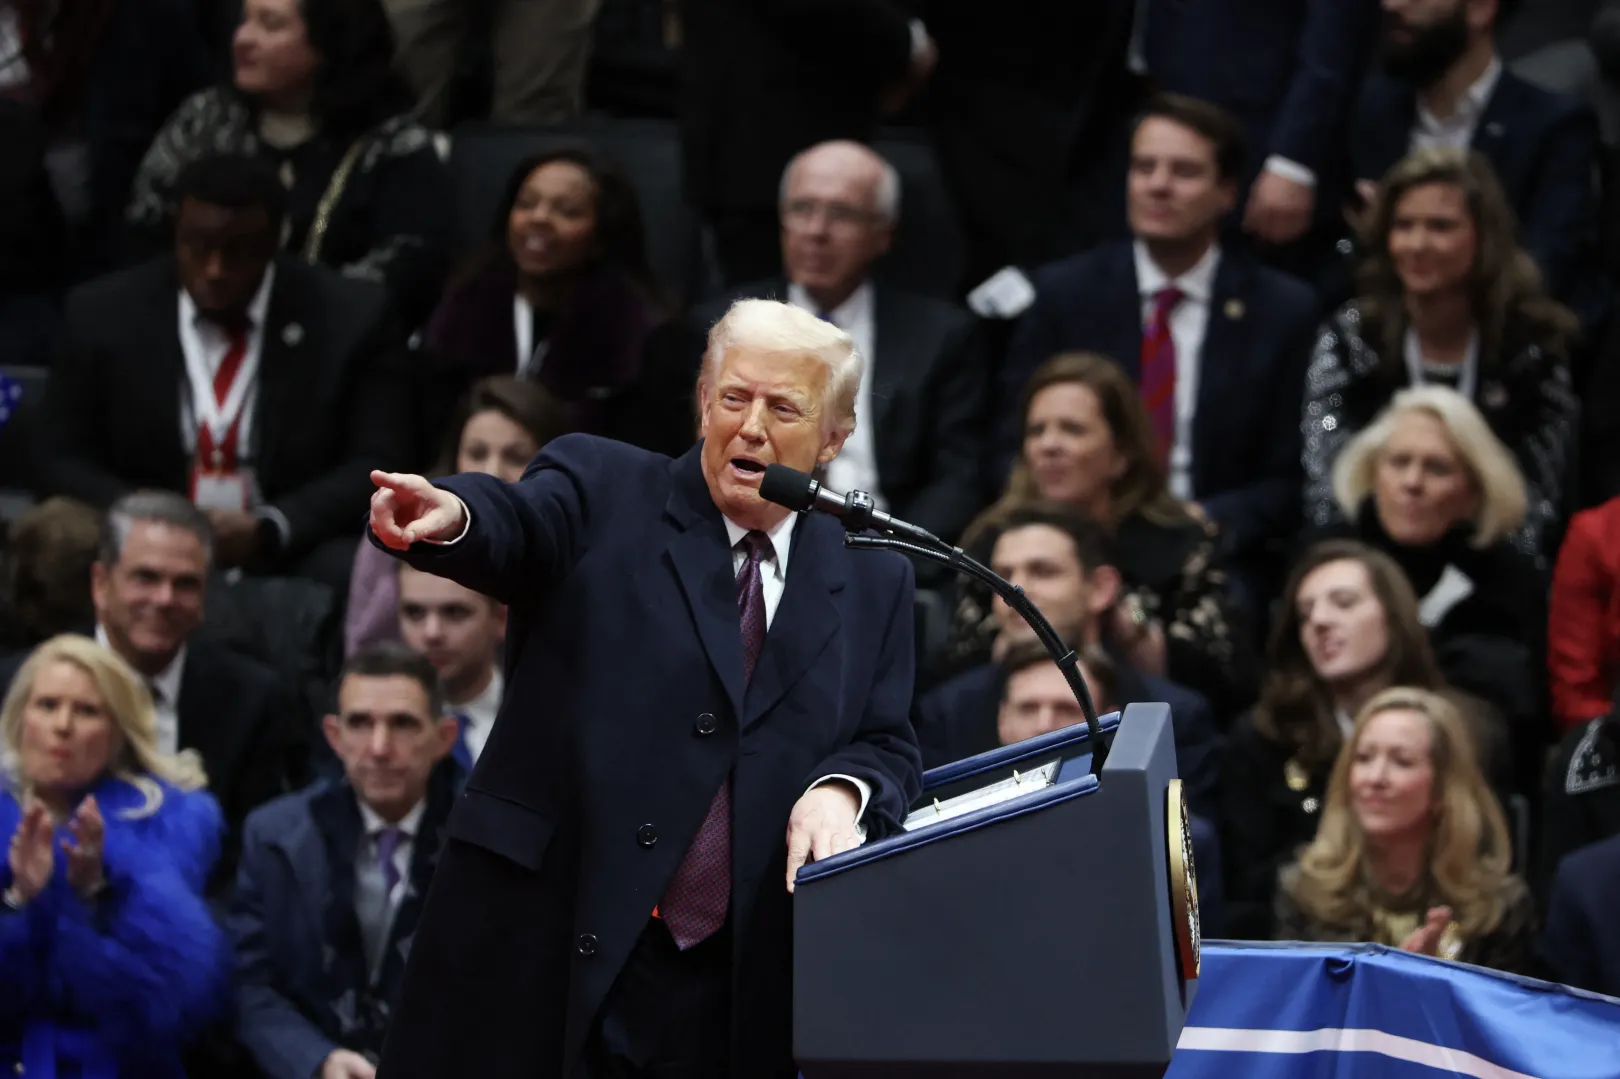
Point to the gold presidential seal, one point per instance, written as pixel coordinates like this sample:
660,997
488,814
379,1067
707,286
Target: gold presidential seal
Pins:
1183,883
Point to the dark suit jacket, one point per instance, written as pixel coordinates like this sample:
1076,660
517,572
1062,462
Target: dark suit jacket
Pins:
1246,440
331,406
929,377
625,710
764,79
1286,69
1543,147
1581,942
294,903
957,719
237,716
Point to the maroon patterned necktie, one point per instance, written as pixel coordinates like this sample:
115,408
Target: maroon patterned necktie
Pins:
695,903
1158,369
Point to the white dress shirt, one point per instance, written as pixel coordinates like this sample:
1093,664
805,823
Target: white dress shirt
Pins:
855,467
165,688
481,711
374,909
1188,324
531,354
204,344
1457,130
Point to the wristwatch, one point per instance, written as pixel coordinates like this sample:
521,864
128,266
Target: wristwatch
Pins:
11,901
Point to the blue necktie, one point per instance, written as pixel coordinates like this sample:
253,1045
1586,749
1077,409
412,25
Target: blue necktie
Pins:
462,753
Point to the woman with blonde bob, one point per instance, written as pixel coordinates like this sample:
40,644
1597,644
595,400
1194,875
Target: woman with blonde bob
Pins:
1413,850
1447,298
110,962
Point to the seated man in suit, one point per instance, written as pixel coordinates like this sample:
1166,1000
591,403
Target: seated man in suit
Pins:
333,877
147,586
1062,560
1443,84
1217,342
262,388
460,632
917,448
1580,944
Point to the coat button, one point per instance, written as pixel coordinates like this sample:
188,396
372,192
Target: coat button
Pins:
707,724
586,944
646,835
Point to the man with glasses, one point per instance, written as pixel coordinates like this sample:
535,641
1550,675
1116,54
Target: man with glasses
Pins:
916,448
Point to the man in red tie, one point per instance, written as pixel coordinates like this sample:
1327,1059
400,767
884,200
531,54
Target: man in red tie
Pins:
705,692
1216,342
262,388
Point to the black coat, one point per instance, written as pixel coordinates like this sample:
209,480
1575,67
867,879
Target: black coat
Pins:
332,403
625,709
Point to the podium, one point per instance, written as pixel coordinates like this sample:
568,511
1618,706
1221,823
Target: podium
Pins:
1034,920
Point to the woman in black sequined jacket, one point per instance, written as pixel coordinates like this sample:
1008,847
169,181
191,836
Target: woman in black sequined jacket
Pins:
1448,298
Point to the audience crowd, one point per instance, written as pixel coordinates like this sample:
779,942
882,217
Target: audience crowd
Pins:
1282,373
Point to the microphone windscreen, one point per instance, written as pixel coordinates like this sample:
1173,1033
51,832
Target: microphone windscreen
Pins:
788,487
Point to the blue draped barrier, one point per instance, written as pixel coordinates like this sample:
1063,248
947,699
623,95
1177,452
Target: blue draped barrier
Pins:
1312,1011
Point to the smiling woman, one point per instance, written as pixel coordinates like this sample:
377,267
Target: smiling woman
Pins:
1413,849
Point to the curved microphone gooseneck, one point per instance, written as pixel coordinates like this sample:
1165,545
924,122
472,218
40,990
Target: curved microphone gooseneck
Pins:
801,493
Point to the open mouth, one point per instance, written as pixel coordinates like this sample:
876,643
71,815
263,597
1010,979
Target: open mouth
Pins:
747,466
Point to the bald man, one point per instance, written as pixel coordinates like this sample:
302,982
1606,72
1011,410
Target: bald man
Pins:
917,446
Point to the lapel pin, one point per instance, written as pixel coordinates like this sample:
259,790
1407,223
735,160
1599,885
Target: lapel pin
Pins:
1493,129
291,334
1234,309
1494,395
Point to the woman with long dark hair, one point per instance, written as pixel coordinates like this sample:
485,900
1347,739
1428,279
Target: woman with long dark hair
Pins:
314,90
563,295
1449,298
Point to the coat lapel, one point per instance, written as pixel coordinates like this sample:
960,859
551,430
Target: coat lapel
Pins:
894,358
167,377
283,379
701,556
1123,312
1226,346
805,620
199,710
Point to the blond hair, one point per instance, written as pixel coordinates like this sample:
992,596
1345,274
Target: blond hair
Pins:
1468,849
135,757
769,326
1503,500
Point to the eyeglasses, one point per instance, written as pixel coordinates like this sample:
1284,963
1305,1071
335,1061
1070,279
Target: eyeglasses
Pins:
801,214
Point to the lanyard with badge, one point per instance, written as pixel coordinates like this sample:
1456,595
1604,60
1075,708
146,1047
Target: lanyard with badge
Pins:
1467,377
218,478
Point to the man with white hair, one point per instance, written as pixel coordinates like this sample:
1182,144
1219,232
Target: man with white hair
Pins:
918,446
614,897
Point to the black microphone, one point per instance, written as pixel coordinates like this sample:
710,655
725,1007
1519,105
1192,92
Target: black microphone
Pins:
801,493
